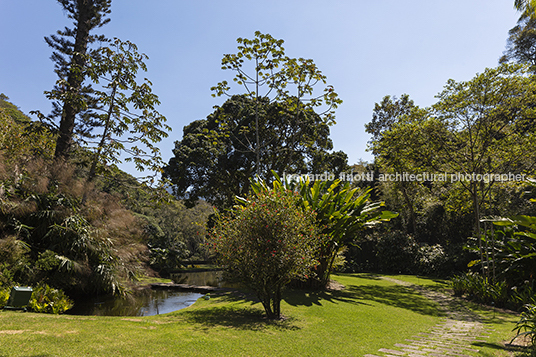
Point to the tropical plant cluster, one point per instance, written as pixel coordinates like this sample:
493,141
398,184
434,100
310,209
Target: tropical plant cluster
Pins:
49,235
291,231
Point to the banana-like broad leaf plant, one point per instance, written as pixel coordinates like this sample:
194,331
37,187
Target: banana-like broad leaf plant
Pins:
341,212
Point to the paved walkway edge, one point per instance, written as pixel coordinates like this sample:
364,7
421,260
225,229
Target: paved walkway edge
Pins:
452,337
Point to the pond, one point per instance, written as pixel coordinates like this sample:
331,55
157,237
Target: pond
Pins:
148,302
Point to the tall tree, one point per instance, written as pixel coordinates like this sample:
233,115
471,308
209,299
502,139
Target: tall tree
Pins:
399,147
521,43
483,129
128,108
276,75
218,170
385,114
71,50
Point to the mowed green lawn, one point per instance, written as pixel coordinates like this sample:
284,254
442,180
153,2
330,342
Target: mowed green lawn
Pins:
367,315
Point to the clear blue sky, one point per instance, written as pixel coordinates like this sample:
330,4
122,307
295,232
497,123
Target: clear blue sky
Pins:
366,48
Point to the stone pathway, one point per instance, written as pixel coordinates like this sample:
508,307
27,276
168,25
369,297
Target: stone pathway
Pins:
452,337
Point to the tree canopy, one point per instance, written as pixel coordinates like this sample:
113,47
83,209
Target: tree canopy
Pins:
212,161
268,75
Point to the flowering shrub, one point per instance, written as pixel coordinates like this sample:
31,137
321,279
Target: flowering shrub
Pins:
266,242
340,210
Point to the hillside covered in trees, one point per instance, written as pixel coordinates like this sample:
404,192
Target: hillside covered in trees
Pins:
122,231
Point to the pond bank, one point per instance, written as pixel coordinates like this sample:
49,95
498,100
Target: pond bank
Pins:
203,289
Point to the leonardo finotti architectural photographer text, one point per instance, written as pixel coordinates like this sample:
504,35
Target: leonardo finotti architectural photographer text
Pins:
408,177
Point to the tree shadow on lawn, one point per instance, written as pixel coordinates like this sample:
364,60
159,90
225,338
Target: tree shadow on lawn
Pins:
392,295
242,318
253,318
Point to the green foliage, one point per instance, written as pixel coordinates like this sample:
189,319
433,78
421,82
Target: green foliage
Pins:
175,233
277,74
527,324
15,261
21,139
432,260
526,7
47,235
267,242
49,300
399,146
70,252
396,253
340,211
12,111
164,260
482,290
515,248
385,115
520,44
127,108
213,162
4,296
481,126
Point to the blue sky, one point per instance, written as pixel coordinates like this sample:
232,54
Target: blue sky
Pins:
367,49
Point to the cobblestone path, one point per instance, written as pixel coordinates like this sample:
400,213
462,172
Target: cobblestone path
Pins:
452,337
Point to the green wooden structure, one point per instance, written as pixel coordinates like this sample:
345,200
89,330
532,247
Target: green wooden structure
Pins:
19,298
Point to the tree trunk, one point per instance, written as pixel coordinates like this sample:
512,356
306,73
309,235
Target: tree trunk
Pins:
413,222
74,79
476,208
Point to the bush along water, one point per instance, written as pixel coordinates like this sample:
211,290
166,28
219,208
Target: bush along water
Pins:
49,300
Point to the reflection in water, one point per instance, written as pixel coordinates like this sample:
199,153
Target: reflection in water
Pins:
144,303
200,278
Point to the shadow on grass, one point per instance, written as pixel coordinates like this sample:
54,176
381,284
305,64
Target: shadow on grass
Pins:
253,318
242,318
370,276
493,346
392,295
486,314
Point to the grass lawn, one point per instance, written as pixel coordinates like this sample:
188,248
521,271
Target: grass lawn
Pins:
368,315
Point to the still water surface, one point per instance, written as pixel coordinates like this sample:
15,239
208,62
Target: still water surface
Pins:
147,302
150,302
